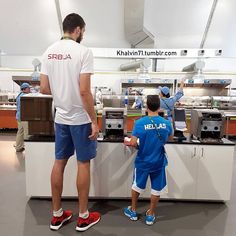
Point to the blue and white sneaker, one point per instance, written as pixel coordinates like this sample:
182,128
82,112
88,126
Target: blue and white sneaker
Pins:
150,219
131,214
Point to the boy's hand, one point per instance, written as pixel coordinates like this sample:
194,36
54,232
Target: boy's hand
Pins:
130,142
127,141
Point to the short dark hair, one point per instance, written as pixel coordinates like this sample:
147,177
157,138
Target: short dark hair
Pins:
165,95
72,21
153,102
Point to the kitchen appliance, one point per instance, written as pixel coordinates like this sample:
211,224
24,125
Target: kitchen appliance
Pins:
114,126
224,102
207,125
179,124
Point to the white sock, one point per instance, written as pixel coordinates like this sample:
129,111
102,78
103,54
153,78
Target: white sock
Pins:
84,215
58,213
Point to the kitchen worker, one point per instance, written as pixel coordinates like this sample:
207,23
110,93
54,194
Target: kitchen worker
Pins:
137,100
167,102
66,73
19,145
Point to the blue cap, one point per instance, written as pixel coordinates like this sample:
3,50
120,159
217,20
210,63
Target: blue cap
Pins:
24,86
165,90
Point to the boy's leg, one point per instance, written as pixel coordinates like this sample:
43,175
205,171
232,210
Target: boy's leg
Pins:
139,184
153,204
135,196
158,183
130,211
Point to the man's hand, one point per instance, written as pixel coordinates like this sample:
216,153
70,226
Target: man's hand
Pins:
95,131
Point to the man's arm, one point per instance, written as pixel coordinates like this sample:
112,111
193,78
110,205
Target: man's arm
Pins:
44,84
87,99
180,92
182,83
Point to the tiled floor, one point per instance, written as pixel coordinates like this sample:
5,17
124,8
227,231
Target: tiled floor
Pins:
21,216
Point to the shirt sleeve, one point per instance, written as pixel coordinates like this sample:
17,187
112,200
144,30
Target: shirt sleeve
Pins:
44,69
178,95
136,130
87,62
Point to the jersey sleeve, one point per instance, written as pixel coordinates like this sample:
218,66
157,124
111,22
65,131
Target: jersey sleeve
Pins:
87,62
137,129
44,69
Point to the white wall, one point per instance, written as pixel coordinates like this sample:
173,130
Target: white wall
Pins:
18,62
111,65
211,64
6,82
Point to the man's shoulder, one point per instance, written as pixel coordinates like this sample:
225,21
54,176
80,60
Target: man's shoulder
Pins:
52,46
163,120
78,46
141,120
69,45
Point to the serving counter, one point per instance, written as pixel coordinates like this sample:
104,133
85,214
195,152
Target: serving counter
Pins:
196,171
8,117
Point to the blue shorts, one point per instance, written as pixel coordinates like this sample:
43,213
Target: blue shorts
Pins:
71,138
158,181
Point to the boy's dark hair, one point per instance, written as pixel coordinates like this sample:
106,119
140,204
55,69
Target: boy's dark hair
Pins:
72,21
153,102
165,95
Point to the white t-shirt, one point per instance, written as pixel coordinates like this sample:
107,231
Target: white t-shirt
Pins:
63,62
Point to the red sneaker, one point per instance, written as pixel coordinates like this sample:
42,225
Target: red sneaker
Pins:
84,224
57,222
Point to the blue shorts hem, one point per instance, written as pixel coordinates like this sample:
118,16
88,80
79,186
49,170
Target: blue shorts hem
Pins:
63,157
85,159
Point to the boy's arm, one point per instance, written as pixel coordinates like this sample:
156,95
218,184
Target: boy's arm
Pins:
171,132
133,140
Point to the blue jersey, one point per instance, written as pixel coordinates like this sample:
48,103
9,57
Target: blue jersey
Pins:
18,105
169,103
151,155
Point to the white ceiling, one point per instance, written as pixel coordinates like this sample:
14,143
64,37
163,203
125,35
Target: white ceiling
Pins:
177,24
28,27
104,21
222,33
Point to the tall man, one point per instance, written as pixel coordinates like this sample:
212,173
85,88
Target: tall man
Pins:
66,70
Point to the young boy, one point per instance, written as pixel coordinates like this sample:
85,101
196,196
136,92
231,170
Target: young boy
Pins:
153,132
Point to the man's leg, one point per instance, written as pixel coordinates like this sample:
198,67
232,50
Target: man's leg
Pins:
83,184
64,148
86,219
57,183
85,151
19,137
